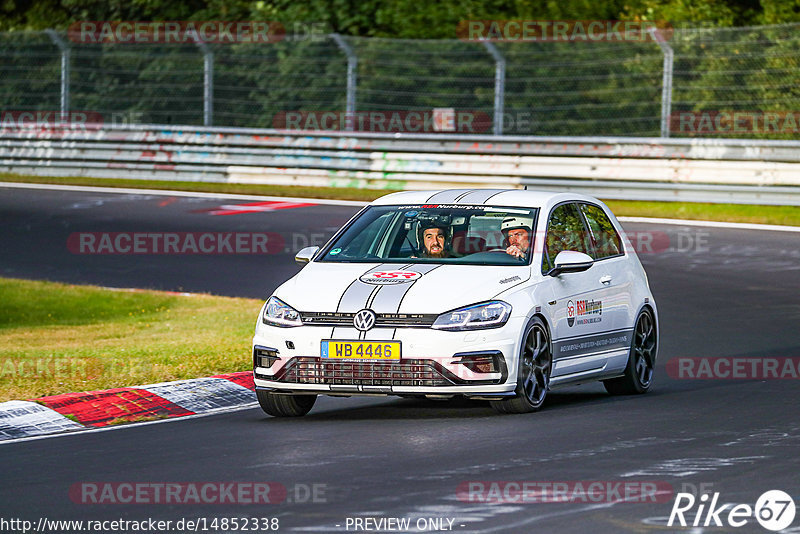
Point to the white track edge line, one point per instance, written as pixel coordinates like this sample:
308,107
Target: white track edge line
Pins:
713,224
175,193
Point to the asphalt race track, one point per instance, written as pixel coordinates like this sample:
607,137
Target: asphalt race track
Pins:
721,293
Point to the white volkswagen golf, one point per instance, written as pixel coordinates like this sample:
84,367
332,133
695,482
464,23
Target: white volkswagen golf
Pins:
498,295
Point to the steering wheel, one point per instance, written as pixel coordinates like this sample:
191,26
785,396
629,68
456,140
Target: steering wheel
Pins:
523,258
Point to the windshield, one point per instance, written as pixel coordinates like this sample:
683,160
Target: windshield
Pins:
475,235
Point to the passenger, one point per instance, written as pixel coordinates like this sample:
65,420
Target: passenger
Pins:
517,233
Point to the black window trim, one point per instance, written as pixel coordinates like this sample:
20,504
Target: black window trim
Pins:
545,253
329,245
576,202
586,224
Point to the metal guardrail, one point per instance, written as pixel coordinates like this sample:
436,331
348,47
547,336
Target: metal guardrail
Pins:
701,170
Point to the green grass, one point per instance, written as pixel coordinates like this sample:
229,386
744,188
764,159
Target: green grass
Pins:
59,338
744,213
782,215
27,304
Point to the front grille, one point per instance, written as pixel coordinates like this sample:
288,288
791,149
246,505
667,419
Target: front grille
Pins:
385,320
307,370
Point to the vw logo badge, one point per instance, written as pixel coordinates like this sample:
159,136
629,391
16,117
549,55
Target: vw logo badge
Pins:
364,320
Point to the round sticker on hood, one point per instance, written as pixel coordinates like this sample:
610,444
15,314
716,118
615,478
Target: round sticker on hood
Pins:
380,278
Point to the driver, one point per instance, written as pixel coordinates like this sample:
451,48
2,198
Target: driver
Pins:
433,237
517,233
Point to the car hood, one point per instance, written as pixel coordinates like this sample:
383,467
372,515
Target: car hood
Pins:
349,287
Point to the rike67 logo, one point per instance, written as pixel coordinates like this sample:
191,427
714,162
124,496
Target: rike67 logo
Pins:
774,510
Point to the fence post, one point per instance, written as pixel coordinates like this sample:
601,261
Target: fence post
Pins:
64,47
499,85
352,64
208,82
666,81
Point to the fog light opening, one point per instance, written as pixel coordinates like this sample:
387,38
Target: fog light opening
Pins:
480,363
264,357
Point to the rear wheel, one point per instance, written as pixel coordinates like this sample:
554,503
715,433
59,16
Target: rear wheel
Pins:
533,377
642,360
285,405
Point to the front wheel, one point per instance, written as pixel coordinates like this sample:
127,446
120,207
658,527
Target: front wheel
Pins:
533,376
642,359
285,405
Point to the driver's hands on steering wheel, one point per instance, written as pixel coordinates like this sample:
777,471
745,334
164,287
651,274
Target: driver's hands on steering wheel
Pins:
515,251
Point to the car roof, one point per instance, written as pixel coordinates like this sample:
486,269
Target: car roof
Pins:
490,197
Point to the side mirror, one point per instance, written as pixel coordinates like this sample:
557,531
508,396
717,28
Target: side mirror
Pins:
571,261
305,255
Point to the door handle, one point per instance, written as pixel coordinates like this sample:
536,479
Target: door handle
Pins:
605,279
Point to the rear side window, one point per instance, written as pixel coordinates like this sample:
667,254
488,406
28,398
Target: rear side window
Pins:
604,236
565,231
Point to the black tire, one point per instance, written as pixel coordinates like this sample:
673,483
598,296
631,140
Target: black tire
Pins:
638,375
285,405
533,375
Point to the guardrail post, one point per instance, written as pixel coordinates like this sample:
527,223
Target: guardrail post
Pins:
352,64
65,53
208,83
666,81
499,85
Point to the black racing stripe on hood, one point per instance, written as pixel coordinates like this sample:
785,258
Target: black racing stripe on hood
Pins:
480,196
459,197
389,297
400,302
358,292
371,298
447,197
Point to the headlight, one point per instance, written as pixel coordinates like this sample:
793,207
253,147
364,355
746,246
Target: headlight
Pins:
487,315
278,313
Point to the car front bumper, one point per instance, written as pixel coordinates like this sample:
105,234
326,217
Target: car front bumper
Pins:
431,363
